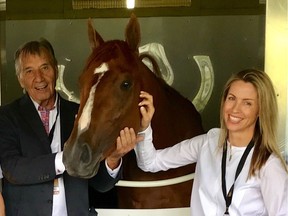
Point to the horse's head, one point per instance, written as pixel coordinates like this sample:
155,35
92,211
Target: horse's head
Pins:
109,85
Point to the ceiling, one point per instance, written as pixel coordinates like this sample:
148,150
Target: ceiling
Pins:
77,9
2,5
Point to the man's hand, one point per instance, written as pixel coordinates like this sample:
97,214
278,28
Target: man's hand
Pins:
126,141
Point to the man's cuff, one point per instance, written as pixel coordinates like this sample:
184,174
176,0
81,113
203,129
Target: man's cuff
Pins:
59,166
113,173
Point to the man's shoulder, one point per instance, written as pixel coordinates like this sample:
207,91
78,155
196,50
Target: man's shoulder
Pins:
68,105
68,102
14,105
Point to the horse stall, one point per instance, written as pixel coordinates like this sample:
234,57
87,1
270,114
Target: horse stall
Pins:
197,44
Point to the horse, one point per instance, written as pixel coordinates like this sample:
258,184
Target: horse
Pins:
110,86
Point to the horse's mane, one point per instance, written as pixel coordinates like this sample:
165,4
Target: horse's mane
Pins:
156,68
107,51
156,71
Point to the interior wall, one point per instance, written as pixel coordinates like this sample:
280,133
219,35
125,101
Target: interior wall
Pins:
233,43
276,62
2,53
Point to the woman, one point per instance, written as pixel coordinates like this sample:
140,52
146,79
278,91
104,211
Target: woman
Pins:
2,206
240,170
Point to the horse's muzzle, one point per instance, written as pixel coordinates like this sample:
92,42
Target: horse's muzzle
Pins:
79,162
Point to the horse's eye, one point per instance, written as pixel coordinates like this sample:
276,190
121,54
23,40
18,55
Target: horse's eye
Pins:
126,85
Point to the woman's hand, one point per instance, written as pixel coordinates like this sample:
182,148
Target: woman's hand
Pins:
147,110
128,139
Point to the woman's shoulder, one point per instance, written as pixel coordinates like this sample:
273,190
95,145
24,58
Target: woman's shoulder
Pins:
213,132
274,165
211,136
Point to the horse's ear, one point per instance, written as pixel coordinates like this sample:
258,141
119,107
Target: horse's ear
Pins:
94,37
132,34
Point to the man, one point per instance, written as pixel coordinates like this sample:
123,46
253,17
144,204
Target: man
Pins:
35,181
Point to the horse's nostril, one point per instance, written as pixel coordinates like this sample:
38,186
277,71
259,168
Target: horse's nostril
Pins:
86,154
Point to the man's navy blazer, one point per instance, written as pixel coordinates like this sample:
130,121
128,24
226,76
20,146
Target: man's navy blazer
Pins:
29,166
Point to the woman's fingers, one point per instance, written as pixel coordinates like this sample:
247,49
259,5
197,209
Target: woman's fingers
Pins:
147,109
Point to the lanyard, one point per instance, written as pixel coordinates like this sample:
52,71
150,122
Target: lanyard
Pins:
228,197
51,133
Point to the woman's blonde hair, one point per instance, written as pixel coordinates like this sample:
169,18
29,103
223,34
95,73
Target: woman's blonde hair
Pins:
265,134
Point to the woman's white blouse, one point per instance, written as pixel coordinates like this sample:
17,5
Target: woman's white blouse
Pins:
263,194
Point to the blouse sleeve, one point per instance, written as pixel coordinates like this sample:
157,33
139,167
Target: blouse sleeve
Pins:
274,187
181,154
1,176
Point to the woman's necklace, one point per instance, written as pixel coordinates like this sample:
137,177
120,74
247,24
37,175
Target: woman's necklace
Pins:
230,152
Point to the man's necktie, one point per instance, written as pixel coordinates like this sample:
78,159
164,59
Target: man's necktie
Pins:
45,118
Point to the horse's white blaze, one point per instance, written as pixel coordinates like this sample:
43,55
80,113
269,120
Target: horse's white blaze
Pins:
102,68
85,119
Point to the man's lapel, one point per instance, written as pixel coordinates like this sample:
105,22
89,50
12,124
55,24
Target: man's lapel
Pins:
32,118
